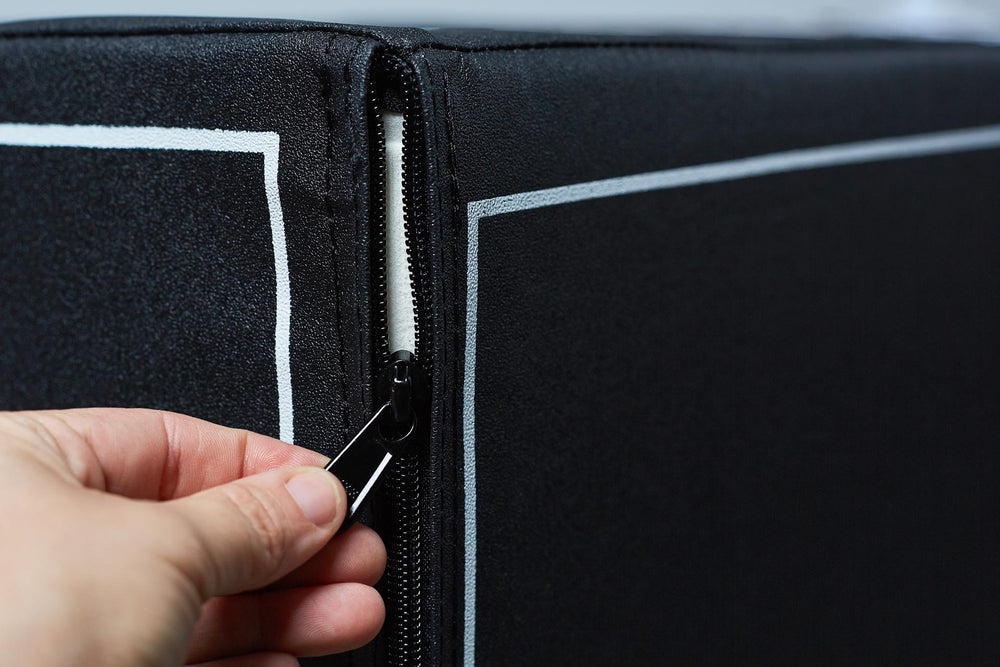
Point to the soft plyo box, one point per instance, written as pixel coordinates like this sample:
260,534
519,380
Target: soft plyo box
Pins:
710,325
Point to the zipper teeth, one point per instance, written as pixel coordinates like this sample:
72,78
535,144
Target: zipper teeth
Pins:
404,626
403,571
414,210
378,216
395,71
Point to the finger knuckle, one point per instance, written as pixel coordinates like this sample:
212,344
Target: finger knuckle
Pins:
265,521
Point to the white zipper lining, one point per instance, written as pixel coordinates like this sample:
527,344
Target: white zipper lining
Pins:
400,314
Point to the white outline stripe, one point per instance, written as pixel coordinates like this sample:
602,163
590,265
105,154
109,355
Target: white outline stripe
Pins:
371,482
195,139
893,148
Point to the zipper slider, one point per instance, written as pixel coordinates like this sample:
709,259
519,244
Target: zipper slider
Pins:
401,392
402,388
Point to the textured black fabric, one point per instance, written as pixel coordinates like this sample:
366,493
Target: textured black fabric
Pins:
146,278
748,421
751,421
160,262
88,285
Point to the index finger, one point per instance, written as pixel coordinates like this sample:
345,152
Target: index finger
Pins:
156,455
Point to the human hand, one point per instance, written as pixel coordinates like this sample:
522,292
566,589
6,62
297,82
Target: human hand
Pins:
135,537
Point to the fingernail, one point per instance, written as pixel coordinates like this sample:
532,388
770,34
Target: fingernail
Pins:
316,494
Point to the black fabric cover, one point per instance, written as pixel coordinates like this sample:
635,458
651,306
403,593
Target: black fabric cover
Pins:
744,421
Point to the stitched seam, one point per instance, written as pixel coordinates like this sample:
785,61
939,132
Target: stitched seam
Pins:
455,309
168,32
327,74
767,45
804,46
441,340
360,173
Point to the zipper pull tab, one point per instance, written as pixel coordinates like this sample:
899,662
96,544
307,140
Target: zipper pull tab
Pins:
390,432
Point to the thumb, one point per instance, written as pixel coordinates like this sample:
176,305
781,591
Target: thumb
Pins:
251,532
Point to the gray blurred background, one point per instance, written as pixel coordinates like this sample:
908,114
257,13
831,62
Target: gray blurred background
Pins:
970,19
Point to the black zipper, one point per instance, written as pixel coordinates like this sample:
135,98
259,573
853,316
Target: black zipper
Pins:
394,87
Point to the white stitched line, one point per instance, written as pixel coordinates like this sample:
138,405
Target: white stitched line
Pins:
195,139
892,148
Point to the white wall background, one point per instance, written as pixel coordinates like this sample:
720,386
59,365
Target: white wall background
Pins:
976,19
